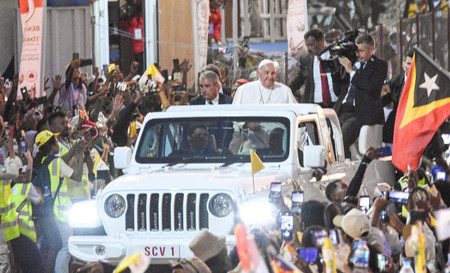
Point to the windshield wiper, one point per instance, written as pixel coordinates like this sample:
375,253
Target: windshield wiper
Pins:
177,160
235,159
193,159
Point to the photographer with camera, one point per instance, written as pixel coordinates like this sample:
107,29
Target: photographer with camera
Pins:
362,104
321,87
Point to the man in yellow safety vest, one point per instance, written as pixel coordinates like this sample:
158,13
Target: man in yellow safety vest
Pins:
9,169
57,202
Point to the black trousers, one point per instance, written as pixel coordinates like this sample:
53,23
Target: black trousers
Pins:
350,126
350,133
26,255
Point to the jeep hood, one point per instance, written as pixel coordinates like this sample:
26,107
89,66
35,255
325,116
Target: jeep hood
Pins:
225,179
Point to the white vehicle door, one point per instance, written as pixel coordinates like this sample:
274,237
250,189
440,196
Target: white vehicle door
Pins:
339,168
308,133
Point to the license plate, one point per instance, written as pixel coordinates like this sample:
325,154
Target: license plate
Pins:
162,251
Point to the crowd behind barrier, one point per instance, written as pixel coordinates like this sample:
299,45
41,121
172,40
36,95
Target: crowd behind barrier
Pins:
52,147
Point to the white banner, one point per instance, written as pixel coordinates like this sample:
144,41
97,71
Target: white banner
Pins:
200,24
297,25
31,12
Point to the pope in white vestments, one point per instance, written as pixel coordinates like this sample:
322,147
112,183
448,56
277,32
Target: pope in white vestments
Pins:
264,90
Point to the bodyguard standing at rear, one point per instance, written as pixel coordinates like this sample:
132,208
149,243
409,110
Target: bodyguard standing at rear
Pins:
320,87
209,87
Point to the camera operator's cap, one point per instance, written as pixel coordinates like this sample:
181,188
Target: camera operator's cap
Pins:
206,245
355,223
43,137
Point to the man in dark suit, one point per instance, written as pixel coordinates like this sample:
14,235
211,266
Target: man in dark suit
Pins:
362,104
395,91
398,81
214,68
209,87
321,88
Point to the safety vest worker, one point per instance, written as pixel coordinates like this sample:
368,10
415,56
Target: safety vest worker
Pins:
62,203
8,214
24,209
77,190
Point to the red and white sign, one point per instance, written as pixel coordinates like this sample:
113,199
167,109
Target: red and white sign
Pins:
200,24
297,24
31,12
167,251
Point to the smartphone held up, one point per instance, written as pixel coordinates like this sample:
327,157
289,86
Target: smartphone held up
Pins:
297,201
287,224
275,191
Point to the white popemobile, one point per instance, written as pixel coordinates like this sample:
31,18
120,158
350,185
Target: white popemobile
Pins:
191,166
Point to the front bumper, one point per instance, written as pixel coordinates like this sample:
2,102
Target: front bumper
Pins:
112,249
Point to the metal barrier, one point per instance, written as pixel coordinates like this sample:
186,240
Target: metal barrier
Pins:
430,31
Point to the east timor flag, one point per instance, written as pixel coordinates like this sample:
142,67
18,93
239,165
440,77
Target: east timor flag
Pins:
423,107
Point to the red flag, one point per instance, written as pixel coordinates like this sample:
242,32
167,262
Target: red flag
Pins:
423,107
242,246
280,265
278,268
248,253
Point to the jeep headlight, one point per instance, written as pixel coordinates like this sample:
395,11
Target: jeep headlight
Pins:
258,213
115,206
84,215
221,205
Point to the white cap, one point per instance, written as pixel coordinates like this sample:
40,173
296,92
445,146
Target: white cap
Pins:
267,61
90,80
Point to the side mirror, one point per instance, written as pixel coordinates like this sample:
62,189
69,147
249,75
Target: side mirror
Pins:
122,157
314,156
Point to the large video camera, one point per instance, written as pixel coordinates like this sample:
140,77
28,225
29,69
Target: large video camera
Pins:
345,47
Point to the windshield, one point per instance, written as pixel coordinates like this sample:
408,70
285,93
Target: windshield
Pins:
224,139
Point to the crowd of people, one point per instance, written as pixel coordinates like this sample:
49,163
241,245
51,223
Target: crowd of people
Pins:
51,148
389,236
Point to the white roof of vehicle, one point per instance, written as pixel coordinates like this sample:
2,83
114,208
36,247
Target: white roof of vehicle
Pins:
299,109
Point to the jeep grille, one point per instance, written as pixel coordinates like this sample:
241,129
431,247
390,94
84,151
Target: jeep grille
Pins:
166,212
